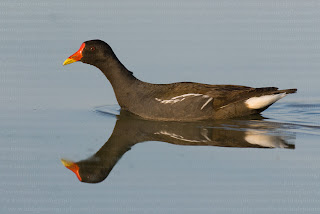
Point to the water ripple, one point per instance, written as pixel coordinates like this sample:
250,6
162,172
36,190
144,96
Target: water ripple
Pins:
292,117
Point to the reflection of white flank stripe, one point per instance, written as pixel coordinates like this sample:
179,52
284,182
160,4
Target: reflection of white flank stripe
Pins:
206,103
204,133
179,137
263,101
180,98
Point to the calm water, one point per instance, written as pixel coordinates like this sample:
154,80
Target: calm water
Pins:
49,113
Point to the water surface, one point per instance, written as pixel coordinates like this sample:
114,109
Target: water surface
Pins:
267,164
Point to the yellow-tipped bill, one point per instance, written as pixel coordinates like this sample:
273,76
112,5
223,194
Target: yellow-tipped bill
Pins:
69,61
76,56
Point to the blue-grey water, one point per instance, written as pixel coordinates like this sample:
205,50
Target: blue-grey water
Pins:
49,112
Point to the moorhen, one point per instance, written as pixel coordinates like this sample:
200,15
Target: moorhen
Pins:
182,101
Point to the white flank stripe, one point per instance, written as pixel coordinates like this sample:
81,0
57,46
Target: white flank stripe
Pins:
180,98
263,101
186,95
206,103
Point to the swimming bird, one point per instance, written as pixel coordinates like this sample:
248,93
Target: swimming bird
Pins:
181,101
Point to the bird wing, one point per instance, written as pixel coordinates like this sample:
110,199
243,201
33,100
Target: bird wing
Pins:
226,94
199,96
220,95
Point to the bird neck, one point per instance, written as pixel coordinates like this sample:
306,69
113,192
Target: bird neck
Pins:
121,79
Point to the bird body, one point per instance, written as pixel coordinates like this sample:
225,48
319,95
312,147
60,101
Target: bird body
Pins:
183,101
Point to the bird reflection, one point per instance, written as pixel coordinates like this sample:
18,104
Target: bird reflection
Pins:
130,130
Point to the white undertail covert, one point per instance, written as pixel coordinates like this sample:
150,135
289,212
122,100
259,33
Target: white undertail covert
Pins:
263,101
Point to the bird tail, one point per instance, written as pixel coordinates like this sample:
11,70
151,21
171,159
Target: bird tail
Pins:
287,91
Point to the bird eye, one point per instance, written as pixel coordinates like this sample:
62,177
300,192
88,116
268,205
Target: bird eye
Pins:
92,48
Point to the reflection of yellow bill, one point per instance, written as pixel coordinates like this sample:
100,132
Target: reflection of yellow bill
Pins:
72,166
66,163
